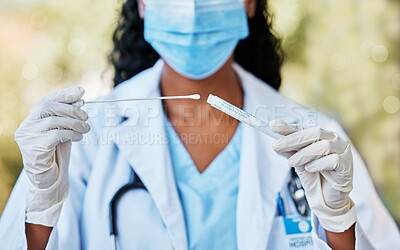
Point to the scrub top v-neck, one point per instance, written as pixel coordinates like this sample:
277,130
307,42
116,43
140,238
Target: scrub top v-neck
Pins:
208,199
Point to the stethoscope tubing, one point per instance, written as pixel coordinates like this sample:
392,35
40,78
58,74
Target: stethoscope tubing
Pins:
134,184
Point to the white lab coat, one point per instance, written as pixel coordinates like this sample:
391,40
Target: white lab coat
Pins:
103,162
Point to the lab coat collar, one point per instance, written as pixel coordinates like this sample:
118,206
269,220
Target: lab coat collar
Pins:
144,84
262,172
141,139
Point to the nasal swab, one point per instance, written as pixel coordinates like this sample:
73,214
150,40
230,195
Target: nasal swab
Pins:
241,115
193,97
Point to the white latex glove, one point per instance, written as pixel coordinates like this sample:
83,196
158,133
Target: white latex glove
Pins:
324,164
44,139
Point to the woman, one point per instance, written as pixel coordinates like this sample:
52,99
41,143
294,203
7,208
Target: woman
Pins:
199,193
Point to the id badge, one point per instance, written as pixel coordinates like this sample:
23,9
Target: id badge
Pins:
298,232
291,232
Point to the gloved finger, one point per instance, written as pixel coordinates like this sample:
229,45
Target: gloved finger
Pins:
317,150
280,127
286,155
301,139
56,137
326,163
55,122
308,180
67,95
339,182
47,108
335,168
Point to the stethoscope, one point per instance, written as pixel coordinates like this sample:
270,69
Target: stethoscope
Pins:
134,184
297,194
294,185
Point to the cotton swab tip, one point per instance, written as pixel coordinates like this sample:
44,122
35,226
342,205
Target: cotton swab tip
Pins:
195,97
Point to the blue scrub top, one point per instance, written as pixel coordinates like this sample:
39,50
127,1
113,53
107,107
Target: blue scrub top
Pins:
208,199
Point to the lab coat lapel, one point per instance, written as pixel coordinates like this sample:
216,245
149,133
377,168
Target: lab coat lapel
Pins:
142,140
262,173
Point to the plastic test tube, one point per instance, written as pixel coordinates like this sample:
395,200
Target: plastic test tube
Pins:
241,115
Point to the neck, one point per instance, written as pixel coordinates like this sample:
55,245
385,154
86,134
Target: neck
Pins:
224,83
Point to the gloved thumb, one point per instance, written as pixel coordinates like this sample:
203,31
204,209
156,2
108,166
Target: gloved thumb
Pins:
280,127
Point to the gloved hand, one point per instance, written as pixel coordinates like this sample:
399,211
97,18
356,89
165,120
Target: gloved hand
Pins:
44,139
324,164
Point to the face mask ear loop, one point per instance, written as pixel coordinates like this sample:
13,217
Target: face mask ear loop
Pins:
141,7
251,10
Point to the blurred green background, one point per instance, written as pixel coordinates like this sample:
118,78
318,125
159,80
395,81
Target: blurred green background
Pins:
342,55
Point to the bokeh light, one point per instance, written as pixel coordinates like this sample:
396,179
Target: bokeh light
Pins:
391,104
76,47
30,71
379,53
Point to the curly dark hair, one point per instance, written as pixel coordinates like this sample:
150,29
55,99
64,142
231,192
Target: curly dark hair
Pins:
260,53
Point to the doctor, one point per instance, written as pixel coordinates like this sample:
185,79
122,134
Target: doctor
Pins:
210,182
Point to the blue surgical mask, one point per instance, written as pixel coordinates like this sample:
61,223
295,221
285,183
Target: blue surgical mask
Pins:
195,37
